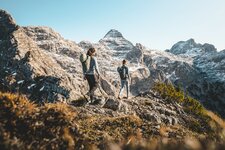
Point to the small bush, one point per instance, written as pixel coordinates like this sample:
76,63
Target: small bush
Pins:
200,122
170,93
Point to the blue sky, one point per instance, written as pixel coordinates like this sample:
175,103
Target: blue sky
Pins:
157,24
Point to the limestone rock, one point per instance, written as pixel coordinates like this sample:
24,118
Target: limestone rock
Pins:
112,104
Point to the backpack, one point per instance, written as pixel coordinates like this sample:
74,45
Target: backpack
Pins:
123,72
85,61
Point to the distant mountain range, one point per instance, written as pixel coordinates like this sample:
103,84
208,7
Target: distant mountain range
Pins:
39,63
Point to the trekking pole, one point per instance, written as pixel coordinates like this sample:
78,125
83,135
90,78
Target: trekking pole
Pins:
84,96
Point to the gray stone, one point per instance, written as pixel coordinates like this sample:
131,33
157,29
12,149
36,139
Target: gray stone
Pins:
112,104
7,24
174,121
168,120
136,55
153,118
107,87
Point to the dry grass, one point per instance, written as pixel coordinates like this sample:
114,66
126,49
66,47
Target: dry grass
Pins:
25,125
216,118
110,128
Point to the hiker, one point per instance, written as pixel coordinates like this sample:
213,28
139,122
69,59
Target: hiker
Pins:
124,76
90,71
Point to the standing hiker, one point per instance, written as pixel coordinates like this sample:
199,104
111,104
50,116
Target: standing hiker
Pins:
90,71
124,76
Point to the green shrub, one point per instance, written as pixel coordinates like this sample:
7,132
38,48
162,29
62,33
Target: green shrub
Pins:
170,93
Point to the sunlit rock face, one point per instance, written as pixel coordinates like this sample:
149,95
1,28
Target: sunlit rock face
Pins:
117,44
30,66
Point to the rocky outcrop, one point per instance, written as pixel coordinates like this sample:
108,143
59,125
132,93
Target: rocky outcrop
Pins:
51,41
136,55
191,49
7,24
112,104
206,73
107,87
117,44
147,106
27,69
23,63
193,67
113,34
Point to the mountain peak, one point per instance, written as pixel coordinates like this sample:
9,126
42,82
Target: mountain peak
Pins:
113,34
183,47
191,48
7,23
191,40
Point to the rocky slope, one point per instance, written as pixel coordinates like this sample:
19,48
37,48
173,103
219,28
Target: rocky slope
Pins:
209,82
144,121
39,73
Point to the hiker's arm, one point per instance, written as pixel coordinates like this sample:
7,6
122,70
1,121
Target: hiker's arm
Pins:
83,72
128,74
96,67
83,69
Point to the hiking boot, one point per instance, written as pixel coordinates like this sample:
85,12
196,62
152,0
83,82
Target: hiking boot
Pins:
96,102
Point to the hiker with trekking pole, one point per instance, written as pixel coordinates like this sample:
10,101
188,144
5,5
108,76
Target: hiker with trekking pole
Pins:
91,71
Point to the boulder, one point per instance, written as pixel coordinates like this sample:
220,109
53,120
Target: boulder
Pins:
107,87
113,104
